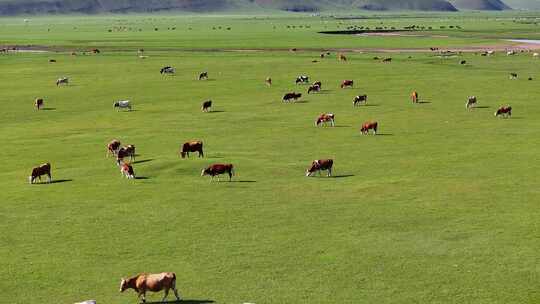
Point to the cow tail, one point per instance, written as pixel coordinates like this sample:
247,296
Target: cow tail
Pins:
173,282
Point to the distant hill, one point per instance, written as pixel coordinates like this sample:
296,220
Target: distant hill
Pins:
18,7
524,4
487,5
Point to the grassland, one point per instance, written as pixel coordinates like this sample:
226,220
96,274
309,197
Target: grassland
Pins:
440,208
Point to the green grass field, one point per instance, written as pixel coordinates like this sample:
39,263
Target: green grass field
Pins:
441,207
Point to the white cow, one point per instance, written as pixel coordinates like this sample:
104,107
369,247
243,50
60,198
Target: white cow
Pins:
122,104
87,302
510,53
536,55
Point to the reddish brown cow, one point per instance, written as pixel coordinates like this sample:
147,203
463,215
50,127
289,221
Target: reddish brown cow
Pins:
325,118
320,165
192,146
113,147
347,84
504,111
144,282
217,170
415,97
127,151
37,172
372,125
38,103
127,171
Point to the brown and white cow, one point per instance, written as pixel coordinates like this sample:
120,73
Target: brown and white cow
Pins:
154,282
38,103
415,97
320,165
318,83
203,75
268,81
293,96
127,151
504,111
218,169
37,172
372,125
360,99
63,80
192,146
471,102
342,57
127,171
113,147
206,106
325,118
347,84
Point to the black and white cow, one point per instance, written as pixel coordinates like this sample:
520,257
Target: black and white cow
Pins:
122,104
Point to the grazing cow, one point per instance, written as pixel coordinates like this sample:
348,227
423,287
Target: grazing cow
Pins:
38,103
314,88
471,102
37,172
206,106
372,125
433,49
376,58
463,62
127,151
96,51
536,55
303,79
490,53
203,75
217,170
113,147
387,60
289,96
342,57
167,70
192,146
127,171
360,99
510,53
268,81
513,76
320,165
415,98
530,78
325,118
322,55
157,282
347,84
63,80
52,60
122,104
504,111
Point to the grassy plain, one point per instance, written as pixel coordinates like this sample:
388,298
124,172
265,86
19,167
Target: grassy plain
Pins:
442,207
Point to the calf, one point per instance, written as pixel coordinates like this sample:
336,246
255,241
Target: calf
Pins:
206,106
268,81
347,84
113,147
192,146
325,118
504,111
360,99
369,126
37,172
513,76
320,165
127,171
38,103
203,75
144,282
217,170
127,151
293,96
471,102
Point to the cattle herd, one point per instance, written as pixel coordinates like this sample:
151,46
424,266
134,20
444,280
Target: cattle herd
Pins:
125,155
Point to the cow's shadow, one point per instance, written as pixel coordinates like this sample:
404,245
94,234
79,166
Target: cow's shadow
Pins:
301,101
481,107
54,181
48,109
142,177
424,102
343,176
143,161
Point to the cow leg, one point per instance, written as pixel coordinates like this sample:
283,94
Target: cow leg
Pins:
176,293
142,296
166,294
329,172
50,178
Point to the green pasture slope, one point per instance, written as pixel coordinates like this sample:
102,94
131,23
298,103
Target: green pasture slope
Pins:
441,207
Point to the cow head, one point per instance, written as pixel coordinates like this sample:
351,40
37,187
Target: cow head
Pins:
314,168
124,284
205,171
31,179
116,105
